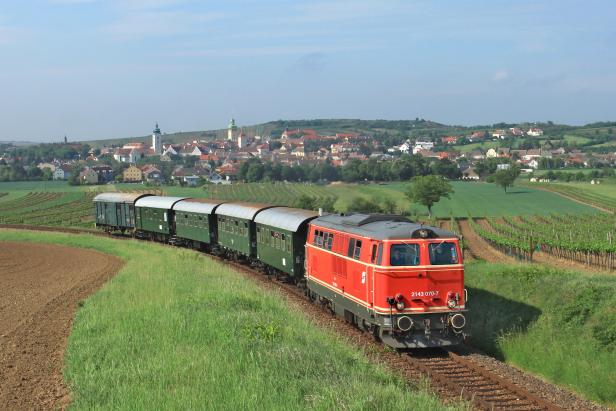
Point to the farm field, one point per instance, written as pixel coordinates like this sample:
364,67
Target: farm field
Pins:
558,324
489,200
61,204
175,321
52,203
475,199
37,320
599,195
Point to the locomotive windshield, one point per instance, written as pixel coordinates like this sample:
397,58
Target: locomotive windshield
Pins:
443,253
404,254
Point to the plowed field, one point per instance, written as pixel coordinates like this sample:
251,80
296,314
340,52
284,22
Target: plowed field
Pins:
40,288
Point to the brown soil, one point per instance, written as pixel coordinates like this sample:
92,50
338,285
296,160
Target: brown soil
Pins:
479,248
41,286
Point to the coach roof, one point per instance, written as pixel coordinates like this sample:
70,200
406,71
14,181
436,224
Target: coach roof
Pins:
197,205
240,209
119,197
379,226
158,202
285,218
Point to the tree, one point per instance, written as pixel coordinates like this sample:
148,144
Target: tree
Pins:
505,178
428,190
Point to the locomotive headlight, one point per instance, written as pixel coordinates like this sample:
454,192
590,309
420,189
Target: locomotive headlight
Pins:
400,305
451,303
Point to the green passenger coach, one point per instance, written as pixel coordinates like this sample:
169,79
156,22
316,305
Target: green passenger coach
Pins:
195,220
154,215
116,211
236,228
281,236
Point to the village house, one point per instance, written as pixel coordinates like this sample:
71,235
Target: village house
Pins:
499,134
534,132
62,172
449,140
516,131
105,173
132,174
152,174
88,176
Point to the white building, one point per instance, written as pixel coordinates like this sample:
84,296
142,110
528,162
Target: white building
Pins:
156,144
422,145
534,132
231,130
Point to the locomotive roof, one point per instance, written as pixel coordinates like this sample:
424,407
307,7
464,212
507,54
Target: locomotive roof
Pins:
379,226
285,218
197,205
119,197
158,202
241,209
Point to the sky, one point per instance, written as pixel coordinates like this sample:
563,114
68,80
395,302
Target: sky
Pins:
112,68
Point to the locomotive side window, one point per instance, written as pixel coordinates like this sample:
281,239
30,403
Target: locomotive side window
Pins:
404,254
330,241
443,253
357,250
351,247
373,255
379,255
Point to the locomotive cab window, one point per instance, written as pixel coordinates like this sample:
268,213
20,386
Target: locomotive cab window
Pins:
404,254
443,253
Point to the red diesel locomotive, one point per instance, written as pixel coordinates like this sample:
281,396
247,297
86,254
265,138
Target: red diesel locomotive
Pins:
402,281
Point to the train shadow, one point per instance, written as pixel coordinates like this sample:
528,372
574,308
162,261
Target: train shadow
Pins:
492,317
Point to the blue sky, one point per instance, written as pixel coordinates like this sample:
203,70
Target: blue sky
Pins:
111,68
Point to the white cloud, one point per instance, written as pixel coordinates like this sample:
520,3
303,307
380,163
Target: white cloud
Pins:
138,25
500,76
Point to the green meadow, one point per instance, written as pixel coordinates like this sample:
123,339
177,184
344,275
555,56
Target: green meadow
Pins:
177,330
557,324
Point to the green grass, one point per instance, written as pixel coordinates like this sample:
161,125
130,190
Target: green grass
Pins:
600,195
476,199
489,200
573,138
561,325
177,330
484,145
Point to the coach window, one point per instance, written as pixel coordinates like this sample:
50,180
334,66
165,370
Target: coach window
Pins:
325,239
443,253
404,254
315,236
330,241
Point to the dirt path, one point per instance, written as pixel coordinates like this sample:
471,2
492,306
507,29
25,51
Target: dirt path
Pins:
40,287
479,248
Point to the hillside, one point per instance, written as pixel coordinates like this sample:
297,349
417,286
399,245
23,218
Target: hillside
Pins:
598,136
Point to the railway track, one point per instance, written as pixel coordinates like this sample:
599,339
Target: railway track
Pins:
453,371
449,371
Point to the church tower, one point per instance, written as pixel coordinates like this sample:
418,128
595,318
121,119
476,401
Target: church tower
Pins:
156,145
231,130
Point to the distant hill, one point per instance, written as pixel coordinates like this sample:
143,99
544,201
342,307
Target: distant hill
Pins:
600,132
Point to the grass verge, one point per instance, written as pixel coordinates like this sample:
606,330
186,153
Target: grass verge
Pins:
561,325
176,330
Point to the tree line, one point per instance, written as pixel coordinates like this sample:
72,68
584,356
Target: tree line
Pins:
403,168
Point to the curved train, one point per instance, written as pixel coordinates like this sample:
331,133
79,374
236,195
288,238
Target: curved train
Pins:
401,281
